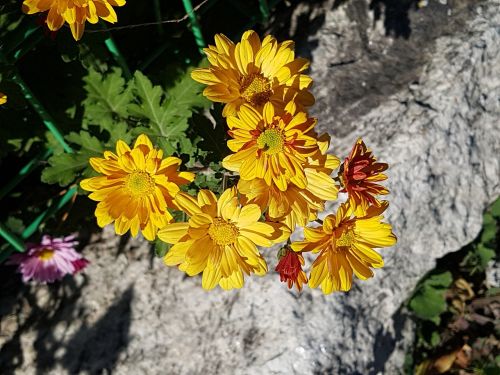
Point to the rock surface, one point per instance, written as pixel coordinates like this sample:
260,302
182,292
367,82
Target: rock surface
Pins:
426,99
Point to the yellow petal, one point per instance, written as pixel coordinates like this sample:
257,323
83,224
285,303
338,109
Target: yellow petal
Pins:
243,55
249,214
367,255
177,253
249,115
318,272
200,220
211,277
149,231
207,202
268,112
321,185
172,233
205,76
225,197
188,204
143,140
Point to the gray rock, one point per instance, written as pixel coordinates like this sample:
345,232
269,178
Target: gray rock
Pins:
429,105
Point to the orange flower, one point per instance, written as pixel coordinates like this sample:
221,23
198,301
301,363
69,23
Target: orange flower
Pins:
290,268
74,12
359,175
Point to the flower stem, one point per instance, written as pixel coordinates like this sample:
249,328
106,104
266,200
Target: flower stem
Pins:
195,25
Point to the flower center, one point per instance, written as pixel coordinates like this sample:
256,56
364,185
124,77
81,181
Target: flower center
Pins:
222,232
140,183
256,89
346,239
45,255
271,141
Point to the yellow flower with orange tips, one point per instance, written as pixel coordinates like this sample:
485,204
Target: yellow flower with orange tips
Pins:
254,72
74,12
220,239
295,206
273,145
3,98
136,188
345,245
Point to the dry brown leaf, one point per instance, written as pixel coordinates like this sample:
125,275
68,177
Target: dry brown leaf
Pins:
444,363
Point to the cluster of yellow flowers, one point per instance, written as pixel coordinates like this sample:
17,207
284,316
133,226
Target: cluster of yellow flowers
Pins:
284,181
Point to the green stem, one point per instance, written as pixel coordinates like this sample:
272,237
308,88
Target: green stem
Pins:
264,10
195,25
11,238
18,38
157,10
24,172
28,46
40,109
115,51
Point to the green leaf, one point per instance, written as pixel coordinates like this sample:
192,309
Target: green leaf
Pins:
107,98
495,209
15,225
64,168
86,141
167,115
493,292
428,302
161,248
489,231
485,254
119,131
435,339
441,280
491,369
188,93
153,106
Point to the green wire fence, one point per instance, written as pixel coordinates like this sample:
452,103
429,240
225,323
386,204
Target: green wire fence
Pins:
24,42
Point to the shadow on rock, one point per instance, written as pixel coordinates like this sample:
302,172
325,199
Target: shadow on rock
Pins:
396,16
385,342
24,308
96,348
297,20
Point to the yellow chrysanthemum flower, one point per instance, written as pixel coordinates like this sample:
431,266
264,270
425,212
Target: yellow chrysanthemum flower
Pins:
220,239
295,206
273,146
345,245
254,72
136,188
74,12
3,98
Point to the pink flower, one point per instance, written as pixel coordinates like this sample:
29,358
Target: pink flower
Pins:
49,260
